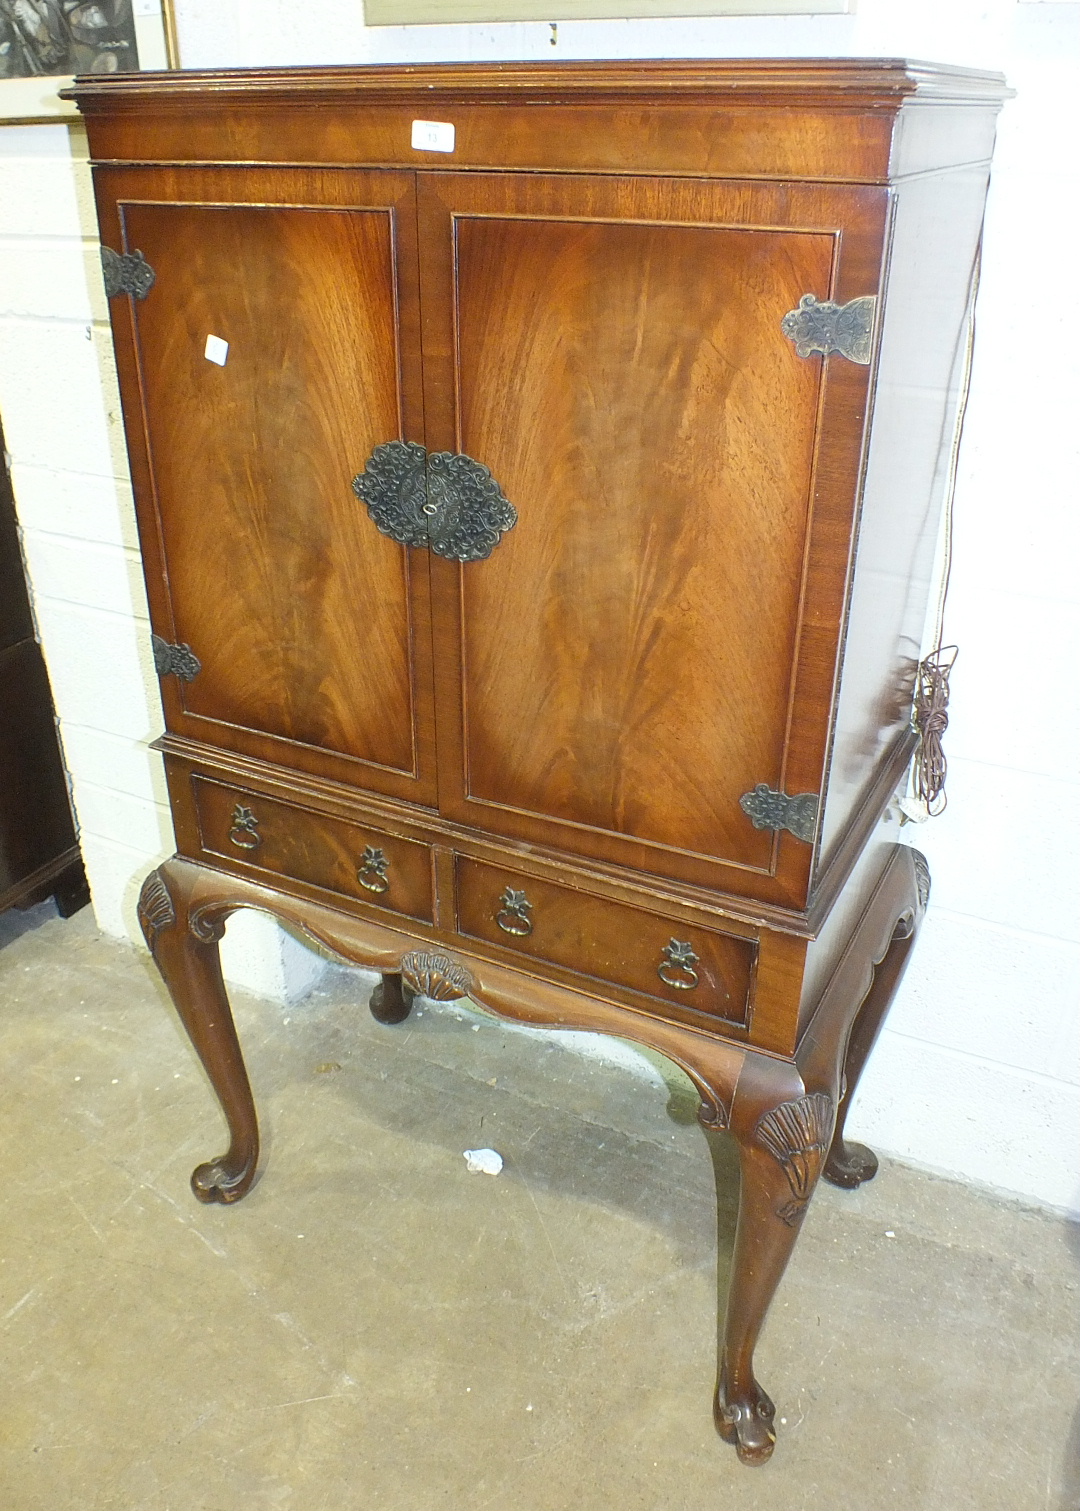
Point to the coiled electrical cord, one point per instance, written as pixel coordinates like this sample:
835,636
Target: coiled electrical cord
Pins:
930,713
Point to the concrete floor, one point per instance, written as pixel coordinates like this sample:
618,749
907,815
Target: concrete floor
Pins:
374,1327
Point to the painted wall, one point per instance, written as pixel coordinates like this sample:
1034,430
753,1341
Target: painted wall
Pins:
977,1073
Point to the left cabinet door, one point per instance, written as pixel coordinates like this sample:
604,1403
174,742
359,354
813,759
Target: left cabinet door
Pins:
277,346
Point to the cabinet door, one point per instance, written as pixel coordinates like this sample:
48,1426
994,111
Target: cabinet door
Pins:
311,627
659,632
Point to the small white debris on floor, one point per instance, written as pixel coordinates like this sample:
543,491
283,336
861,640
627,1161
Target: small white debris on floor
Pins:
483,1161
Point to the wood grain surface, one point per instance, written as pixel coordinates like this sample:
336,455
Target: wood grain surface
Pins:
618,945
288,840
612,352
303,615
822,119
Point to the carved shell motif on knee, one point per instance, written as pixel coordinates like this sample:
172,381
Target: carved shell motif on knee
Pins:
155,909
797,1134
435,976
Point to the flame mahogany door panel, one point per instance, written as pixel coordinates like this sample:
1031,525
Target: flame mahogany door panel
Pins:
312,627
659,633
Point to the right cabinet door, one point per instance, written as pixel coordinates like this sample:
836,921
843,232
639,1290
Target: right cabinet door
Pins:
658,633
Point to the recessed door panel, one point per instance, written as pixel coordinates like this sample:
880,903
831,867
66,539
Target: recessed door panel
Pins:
628,655
269,358
662,518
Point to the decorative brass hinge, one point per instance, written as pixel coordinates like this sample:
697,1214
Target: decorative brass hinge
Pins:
768,809
824,327
179,660
126,273
438,499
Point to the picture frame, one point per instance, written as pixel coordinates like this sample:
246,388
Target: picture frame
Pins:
431,12
30,97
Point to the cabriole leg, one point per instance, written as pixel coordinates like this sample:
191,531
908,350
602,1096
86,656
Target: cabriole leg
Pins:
185,950
782,1146
392,1000
850,1164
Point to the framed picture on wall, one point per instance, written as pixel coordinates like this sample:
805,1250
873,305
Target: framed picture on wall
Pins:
44,43
401,12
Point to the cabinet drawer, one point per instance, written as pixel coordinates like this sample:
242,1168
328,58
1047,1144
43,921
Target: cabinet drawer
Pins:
696,969
354,861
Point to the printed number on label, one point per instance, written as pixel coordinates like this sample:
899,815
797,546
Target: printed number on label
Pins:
432,136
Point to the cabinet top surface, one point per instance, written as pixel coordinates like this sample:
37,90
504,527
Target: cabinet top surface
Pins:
842,82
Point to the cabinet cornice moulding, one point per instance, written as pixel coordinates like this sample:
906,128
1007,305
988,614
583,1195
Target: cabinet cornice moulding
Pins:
841,82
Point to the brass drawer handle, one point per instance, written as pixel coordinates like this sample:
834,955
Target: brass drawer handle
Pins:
373,868
677,968
513,916
245,829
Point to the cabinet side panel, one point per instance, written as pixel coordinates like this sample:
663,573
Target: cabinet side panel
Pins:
826,951
928,137
16,621
36,826
35,817
936,232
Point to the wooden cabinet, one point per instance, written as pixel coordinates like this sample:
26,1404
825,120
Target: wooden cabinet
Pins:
538,535
39,852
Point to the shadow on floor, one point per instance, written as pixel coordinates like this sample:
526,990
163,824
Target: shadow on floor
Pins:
15,922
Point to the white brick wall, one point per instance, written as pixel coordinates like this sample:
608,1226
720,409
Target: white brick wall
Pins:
977,1073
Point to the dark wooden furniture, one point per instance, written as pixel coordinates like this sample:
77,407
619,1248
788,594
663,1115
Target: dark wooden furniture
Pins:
39,853
589,697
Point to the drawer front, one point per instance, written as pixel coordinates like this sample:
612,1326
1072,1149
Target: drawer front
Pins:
349,859
697,970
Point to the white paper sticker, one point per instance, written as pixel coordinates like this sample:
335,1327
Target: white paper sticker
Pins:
216,350
433,136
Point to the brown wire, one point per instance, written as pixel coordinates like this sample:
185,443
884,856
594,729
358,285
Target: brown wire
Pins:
930,714
931,722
